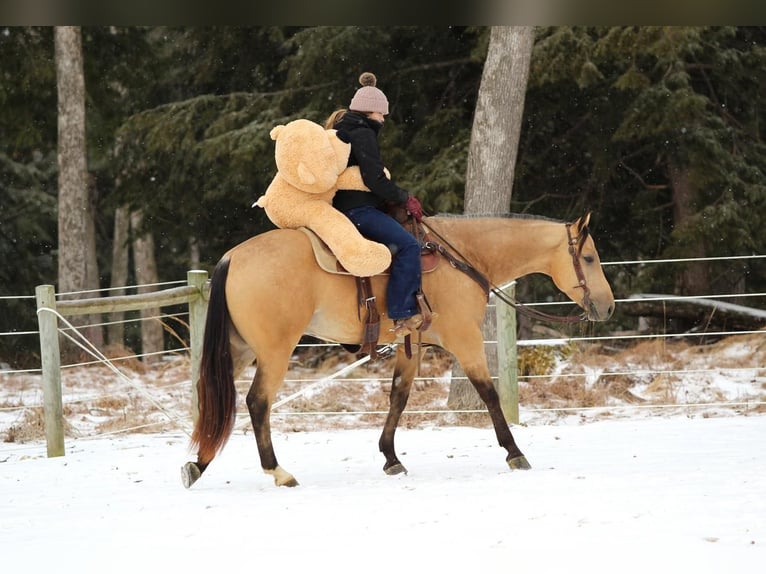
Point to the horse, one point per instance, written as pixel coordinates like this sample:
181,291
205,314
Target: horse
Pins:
269,291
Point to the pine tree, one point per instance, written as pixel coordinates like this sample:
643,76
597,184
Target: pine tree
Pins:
659,130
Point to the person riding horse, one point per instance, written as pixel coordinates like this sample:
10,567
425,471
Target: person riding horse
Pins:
360,125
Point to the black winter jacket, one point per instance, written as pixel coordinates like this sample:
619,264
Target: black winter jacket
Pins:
362,133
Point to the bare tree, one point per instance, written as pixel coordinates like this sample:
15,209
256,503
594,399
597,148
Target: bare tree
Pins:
497,120
120,257
126,224
492,155
76,231
146,274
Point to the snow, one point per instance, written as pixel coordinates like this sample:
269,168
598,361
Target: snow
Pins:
671,478
661,494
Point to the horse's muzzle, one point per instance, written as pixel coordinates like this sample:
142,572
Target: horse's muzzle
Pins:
596,313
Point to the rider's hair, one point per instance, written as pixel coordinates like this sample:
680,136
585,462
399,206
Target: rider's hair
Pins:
334,118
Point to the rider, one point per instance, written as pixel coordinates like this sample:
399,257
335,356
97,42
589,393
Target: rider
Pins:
360,125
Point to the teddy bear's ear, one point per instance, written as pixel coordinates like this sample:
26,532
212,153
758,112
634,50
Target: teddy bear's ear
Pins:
274,133
305,174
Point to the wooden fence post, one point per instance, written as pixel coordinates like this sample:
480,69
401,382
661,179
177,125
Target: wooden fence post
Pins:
507,360
197,316
195,294
51,370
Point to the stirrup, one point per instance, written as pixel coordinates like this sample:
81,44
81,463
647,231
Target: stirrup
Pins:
408,325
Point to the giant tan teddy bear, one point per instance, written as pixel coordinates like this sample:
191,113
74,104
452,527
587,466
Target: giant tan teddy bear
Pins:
311,164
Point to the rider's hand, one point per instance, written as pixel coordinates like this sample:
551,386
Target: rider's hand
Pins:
414,208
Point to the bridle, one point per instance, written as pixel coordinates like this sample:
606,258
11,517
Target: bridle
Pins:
575,247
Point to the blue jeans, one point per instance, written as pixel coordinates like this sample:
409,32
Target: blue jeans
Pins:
404,280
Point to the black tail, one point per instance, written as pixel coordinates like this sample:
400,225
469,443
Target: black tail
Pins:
217,397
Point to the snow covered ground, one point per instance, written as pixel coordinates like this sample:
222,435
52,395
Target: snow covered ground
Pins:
662,494
666,474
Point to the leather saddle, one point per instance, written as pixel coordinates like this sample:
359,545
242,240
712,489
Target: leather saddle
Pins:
429,258
325,258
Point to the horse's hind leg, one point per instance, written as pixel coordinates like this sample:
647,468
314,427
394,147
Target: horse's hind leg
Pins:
217,379
269,376
404,374
241,356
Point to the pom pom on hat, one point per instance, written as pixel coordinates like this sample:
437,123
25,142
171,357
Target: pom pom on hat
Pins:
368,98
368,79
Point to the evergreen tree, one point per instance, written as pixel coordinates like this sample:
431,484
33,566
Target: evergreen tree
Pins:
619,118
27,180
197,164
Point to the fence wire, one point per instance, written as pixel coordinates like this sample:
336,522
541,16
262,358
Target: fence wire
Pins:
7,374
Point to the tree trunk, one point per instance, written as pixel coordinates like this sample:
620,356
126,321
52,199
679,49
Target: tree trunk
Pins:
497,121
694,279
120,256
146,273
76,237
95,334
492,158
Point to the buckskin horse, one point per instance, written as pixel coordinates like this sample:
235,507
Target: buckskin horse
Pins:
269,291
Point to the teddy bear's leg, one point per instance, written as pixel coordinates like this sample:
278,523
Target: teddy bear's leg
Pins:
358,255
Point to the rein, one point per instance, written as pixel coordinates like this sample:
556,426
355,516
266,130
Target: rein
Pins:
489,287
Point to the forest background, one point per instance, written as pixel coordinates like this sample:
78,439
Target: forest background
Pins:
657,130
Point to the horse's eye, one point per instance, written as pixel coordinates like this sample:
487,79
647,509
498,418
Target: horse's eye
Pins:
588,258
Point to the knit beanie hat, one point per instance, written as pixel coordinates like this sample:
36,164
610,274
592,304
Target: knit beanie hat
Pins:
368,98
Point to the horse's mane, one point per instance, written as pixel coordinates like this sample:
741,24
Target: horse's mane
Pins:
497,215
580,239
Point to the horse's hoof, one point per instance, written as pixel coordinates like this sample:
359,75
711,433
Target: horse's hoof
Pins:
190,473
394,469
282,477
519,463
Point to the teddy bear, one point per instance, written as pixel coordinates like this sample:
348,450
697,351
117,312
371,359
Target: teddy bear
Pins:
311,167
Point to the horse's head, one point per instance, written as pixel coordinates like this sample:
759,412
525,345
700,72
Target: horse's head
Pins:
577,272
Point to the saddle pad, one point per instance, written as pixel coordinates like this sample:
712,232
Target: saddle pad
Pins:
325,258
328,262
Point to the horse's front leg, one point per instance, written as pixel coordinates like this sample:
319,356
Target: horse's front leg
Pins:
483,385
259,400
404,374
474,363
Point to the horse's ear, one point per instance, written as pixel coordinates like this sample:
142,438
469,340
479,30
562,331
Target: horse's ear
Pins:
583,222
